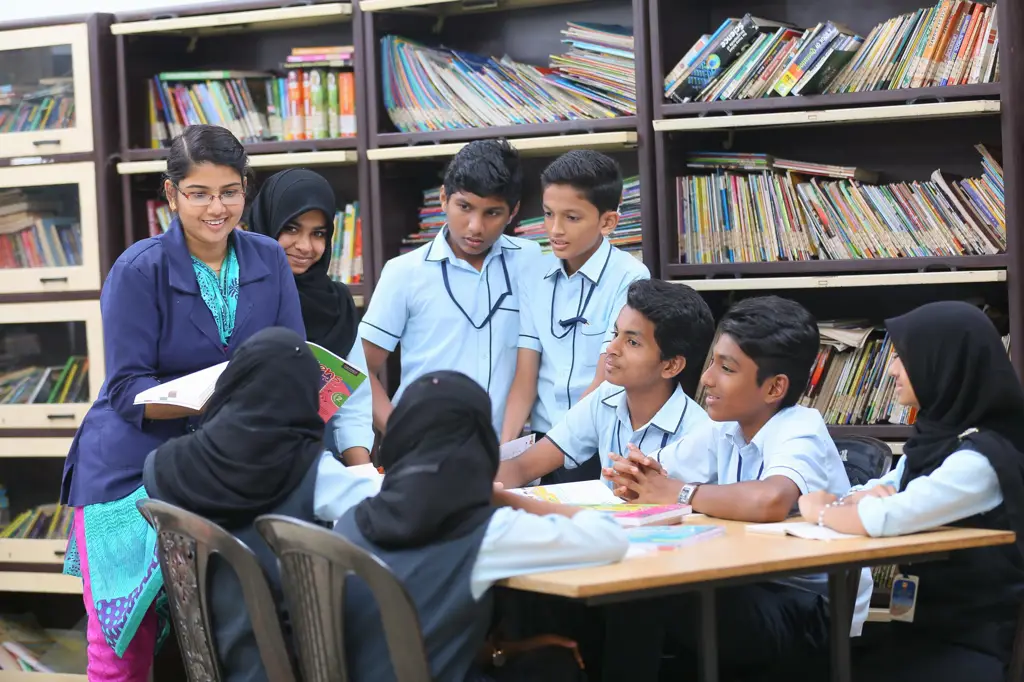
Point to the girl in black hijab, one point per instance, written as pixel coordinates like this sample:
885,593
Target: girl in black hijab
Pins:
296,207
962,466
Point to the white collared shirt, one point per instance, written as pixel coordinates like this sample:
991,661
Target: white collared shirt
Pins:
449,316
569,320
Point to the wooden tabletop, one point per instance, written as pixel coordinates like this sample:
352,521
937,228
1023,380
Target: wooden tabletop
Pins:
738,553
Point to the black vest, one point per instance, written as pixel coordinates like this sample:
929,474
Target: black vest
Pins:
437,578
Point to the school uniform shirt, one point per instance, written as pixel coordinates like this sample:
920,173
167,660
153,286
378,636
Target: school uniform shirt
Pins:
448,316
964,485
352,425
795,443
600,424
569,320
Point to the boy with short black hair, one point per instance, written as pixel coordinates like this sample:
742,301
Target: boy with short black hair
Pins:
764,451
659,340
454,303
571,297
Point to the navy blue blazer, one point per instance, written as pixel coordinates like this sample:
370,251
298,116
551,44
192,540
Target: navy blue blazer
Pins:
156,327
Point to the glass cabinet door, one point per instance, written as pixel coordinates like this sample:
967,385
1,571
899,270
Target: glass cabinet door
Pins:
45,97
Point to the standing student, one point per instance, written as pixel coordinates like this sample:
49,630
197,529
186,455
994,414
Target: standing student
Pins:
172,305
659,340
962,466
296,207
764,451
453,304
570,299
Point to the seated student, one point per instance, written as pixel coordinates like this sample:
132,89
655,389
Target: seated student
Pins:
660,339
962,466
442,530
764,451
569,299
296,207
453,304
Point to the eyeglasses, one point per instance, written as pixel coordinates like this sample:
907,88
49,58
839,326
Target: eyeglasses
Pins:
232,197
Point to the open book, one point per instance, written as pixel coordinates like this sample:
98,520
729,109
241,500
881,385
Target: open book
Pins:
338,380
798,529
581,493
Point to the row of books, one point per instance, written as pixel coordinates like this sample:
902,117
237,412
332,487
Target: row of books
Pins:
314,100
47,385
46,105
34,233
954,42
756,208
26,646
46,522
428,89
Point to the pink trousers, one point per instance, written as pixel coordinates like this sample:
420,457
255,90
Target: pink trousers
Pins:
103,664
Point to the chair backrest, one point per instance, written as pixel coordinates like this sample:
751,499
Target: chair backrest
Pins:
864,458
314,565
185,543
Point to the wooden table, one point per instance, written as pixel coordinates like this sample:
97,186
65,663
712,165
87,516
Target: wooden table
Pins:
741,557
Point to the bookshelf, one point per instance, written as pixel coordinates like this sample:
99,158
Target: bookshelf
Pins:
904,134
250,37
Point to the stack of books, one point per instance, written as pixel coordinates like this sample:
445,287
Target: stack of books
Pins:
756,208
36,230
39,385
599,65
48,104
953,43
432,219
347,246
47,522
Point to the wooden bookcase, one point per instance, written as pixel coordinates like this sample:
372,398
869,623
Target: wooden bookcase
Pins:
903,134
236,35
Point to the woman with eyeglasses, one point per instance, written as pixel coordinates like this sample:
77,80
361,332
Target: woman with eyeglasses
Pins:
171,305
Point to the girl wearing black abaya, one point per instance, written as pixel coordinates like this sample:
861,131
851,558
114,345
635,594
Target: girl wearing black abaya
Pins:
963,466
296,207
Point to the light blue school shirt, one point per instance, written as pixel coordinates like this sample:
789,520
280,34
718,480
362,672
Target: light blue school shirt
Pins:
964,485
352,425
569,320
515,542
449,316
795,443
600,424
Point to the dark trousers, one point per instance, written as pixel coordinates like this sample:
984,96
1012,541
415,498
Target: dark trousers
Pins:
892,652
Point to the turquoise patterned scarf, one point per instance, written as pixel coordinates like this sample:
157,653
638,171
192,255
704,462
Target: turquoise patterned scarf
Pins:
220,293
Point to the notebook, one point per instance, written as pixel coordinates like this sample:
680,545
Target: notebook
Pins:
798,529
638,515
643,541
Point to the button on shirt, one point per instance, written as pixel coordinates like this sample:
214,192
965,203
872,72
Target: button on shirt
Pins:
795,443
569,320
600,424
449,316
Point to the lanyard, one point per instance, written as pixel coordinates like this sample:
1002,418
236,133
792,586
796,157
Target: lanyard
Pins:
618,440
494,308
569,324
739,468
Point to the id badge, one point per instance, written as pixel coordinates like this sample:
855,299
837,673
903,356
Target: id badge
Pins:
903,599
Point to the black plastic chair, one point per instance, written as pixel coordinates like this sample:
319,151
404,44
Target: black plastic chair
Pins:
865,458
185,543
314,565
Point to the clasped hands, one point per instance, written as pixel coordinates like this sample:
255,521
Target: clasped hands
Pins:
639,479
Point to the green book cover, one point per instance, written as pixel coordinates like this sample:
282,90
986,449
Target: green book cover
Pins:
338,380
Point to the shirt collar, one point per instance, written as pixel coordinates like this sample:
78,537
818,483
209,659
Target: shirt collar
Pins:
669,418
441,250
733,432
592,269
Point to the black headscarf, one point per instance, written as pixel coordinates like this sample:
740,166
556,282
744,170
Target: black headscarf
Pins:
963,380
259,434
440,457
328,309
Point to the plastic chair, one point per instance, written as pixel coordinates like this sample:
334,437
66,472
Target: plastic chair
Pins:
864,458
314,565
185,543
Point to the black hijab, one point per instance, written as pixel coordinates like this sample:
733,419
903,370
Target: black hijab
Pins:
440,457
963,380
328,309
259,434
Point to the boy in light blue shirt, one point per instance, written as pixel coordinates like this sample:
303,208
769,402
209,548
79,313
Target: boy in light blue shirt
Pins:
660,338
570,298
453,304
763,451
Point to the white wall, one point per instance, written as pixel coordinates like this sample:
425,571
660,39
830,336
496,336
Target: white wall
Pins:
18,10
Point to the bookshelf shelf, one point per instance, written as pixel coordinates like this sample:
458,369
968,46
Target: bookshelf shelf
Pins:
55,448
277,18
952,263
846,281
876,114
456,6
527,146
20,676
560,128
41,552
39,582
288,160
259,148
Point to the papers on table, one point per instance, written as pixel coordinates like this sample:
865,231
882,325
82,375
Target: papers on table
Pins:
798,529
191,391
581,493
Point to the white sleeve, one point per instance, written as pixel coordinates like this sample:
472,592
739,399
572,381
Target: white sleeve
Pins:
963,486
384,321
517,543
576,435
694,457
337,490
352,425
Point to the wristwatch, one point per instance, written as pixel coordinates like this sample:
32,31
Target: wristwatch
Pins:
686,494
